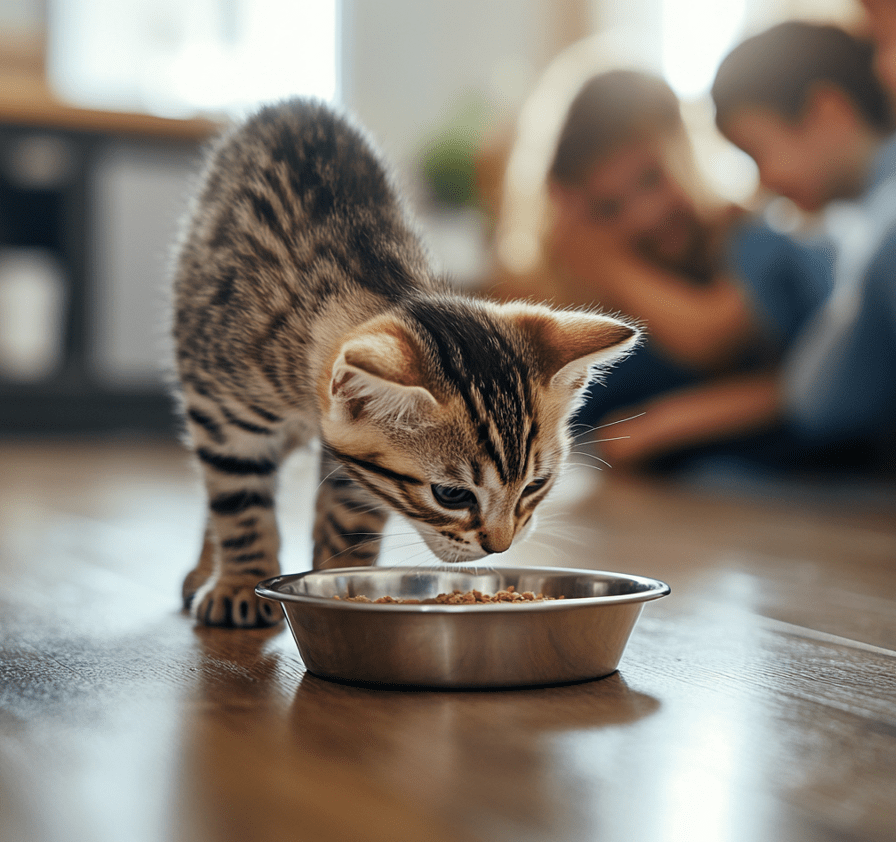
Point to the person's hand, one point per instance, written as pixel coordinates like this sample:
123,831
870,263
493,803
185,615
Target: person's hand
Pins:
716,411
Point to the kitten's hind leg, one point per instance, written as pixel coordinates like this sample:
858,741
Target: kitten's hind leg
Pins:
348,525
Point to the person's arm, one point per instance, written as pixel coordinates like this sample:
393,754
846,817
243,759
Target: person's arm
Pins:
704,327
702,415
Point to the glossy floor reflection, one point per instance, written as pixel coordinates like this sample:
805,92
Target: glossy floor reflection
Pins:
756,703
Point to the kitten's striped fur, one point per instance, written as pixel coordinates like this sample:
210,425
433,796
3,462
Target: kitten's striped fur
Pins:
305,307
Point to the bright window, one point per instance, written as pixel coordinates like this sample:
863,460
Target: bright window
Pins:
176,58
696,36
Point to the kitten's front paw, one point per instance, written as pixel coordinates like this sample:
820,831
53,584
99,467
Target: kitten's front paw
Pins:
233,603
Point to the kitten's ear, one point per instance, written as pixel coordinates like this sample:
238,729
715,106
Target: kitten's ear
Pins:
377,373
572,346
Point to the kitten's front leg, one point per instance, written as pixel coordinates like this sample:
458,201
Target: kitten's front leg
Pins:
244,543
348,525
241,543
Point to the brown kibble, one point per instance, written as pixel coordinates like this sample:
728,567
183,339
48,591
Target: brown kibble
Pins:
457,597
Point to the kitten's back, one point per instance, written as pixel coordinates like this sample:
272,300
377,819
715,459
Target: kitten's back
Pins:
295,212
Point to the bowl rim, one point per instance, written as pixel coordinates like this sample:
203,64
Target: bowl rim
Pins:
268,589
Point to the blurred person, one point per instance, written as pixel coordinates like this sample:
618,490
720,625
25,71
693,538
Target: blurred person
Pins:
637,231
804,102
634,230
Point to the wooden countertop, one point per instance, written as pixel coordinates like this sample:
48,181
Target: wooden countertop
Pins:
757,703
29,102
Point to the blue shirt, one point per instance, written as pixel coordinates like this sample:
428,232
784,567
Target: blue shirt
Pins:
840,379
787,280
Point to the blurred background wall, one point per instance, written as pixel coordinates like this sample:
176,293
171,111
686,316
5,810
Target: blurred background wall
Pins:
105,106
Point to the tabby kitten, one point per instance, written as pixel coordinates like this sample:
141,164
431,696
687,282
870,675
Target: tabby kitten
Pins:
305,308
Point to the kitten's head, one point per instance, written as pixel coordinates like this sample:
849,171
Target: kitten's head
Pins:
455,412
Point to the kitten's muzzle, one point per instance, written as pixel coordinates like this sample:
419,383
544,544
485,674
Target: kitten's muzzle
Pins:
497,535
495,544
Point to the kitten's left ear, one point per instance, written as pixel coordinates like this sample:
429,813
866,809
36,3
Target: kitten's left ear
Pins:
574,346
377,374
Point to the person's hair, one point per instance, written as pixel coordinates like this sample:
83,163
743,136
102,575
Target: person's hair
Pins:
780,68
609,110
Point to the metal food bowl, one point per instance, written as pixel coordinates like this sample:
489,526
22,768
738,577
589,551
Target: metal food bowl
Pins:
487,645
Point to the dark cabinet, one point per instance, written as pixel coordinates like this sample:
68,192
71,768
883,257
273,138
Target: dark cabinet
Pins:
87,220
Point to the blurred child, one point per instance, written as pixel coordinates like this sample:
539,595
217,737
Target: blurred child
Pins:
803,101
636,230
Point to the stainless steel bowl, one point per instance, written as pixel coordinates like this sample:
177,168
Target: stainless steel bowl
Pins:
494,645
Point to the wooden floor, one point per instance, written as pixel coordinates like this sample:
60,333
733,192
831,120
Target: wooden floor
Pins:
758,702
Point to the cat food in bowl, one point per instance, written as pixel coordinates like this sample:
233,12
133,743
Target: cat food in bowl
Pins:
406,640
456,597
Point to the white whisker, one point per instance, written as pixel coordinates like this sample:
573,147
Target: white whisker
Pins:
406,545
620,421
423,553
362,509
565,537
589,456
588,465
366,544
335,470
354,547
598,441
385,535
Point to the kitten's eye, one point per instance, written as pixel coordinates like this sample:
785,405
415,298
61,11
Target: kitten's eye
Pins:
453,498
533,486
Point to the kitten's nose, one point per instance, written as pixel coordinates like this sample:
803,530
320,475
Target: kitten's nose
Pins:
496,542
